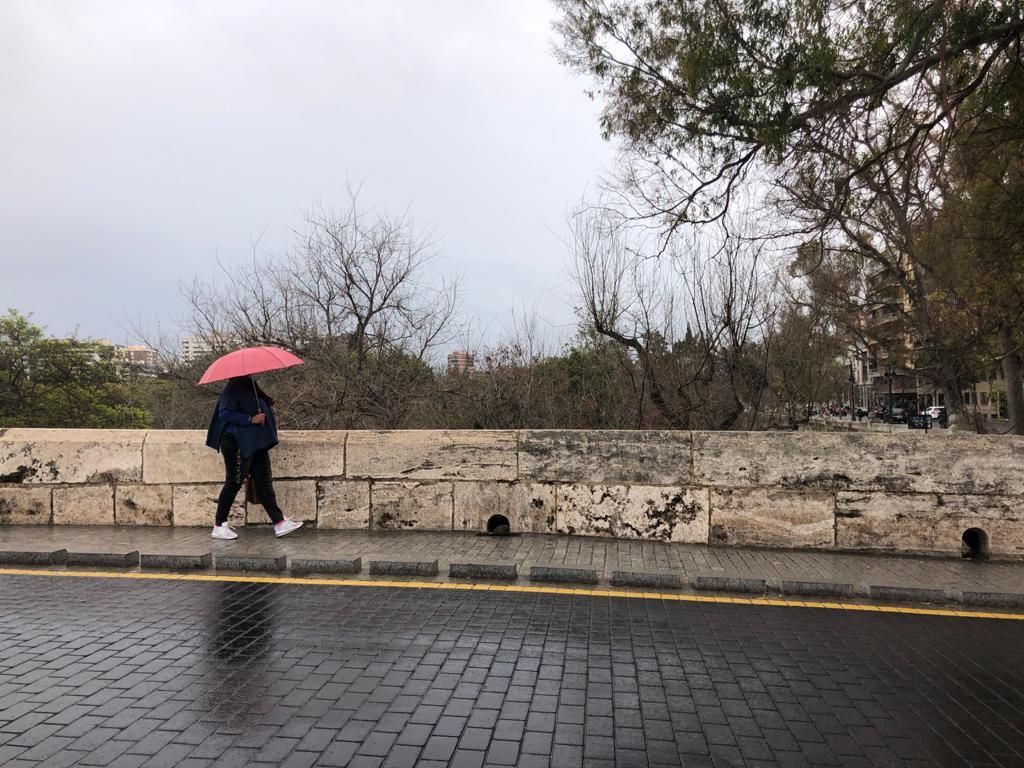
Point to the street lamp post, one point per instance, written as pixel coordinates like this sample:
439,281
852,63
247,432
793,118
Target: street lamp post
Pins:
890,374
853,394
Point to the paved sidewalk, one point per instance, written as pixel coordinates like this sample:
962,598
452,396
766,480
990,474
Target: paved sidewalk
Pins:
536,557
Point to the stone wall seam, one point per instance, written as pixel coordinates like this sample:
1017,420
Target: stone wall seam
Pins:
835,518
691,476
344,456
142,469
711,516
369,517
707,492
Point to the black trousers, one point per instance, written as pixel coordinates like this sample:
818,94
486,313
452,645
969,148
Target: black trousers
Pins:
236,469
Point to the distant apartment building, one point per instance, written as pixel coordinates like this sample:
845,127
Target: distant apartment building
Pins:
133,354
194,347
886,357
460,362
140,355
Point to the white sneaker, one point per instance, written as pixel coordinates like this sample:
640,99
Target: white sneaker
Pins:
223,532
285,527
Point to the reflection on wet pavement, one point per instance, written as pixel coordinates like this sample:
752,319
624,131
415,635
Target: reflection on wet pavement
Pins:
159,672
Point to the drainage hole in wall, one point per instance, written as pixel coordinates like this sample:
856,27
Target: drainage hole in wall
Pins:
974,544
497,525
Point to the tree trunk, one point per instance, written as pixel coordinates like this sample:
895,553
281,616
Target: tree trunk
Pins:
1012,374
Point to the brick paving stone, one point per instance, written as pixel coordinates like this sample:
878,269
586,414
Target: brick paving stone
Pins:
272,674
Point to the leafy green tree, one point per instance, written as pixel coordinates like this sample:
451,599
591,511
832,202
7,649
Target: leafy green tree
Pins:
46,382
702,91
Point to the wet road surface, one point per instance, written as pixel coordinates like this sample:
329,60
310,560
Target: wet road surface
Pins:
129,673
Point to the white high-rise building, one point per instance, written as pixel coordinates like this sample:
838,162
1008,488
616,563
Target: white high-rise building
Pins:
193,347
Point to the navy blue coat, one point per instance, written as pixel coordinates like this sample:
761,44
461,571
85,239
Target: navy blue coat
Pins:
237,403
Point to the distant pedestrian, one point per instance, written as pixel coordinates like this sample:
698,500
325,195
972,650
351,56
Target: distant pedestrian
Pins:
243,429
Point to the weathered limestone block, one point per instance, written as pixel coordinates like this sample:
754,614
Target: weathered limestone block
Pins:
343,504
529,507
196,505
309,454
143,505
24,506
296,498
605,456
928,522
634,512
432,455
181,456
84,505
918,462
71,455
762,517
423,506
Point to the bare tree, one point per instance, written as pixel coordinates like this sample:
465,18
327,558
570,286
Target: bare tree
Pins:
357,299
643,299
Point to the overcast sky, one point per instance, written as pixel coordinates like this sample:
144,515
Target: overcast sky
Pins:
141,140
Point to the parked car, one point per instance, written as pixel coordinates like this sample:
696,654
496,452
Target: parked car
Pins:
938,414
899,415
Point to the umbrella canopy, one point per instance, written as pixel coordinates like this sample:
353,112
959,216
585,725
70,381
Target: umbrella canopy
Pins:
246,362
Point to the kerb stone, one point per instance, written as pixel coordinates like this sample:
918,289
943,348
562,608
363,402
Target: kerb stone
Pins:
303,565
651,579
558,573
493,571
176,562
403,568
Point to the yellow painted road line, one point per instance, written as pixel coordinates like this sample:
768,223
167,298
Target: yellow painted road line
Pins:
605,593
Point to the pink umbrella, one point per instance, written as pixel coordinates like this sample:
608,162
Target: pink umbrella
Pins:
246,362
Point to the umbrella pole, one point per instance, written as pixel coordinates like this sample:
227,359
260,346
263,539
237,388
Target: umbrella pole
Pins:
256,394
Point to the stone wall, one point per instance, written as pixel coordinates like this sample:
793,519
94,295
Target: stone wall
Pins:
908,491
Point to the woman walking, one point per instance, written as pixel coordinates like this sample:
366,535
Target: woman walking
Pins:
243,429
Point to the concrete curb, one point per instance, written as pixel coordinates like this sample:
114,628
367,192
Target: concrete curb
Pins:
496,571
265,564
729,584
177,562
993,599
52,557
646,579
103,559
907,594
338,565
403,568
820,589
563,574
